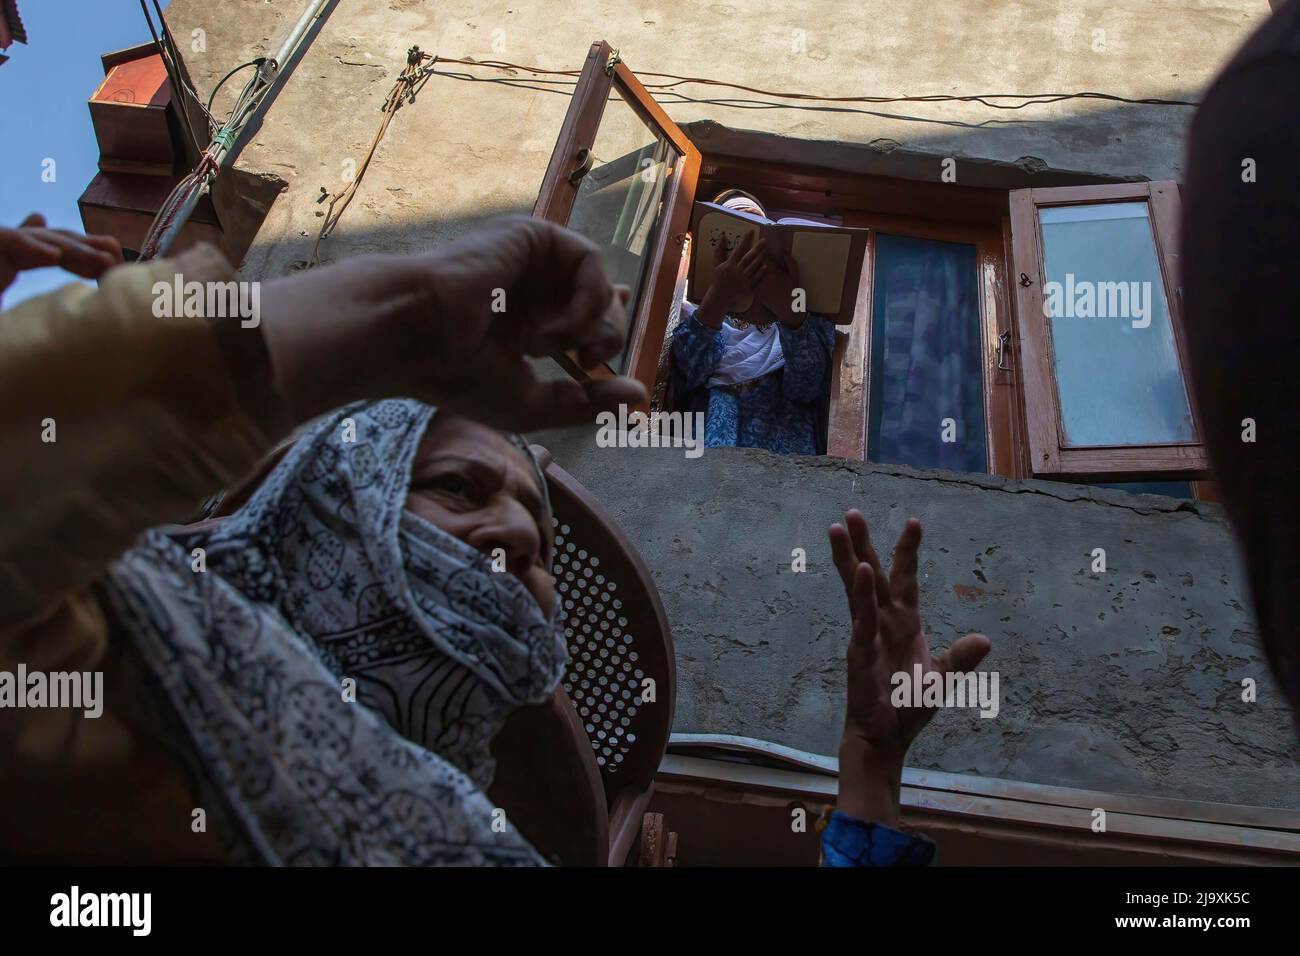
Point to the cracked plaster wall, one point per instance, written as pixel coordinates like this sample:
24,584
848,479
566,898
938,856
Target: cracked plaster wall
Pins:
1127,681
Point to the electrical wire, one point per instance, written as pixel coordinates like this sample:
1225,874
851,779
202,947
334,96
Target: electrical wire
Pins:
172,56
416,74
222,82
224,135
192,184
984,99
409,82
178,86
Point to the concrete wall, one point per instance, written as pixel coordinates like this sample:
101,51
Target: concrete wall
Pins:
1128,680
469,147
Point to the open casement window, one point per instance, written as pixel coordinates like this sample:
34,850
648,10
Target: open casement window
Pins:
623,174
932,344
1100,317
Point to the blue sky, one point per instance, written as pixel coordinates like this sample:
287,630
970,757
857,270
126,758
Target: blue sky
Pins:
43,114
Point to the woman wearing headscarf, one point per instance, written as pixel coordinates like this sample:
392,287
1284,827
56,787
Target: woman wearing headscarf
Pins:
115,419
759,385
334,677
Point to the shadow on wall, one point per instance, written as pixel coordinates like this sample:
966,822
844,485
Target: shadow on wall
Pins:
1128,680
409,236
278,254
1085,135
243,199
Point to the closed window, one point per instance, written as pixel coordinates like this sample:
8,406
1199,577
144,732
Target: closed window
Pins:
1106,392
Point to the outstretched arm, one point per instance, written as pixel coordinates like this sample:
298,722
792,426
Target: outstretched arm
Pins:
887,639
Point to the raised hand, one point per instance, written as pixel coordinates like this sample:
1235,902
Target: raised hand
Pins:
886,640
35,246
455,327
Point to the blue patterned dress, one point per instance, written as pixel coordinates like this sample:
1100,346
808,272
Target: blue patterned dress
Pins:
784,412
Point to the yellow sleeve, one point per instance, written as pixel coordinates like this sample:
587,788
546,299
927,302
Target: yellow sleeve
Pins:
115,418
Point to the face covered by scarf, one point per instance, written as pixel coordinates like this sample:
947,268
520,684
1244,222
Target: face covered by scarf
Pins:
338,670
747,354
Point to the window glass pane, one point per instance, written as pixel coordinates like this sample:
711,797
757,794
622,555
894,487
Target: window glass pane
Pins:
925,356
619,204
1117,367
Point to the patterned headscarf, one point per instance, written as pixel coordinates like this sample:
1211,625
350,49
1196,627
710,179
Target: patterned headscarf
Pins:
338,671
739,199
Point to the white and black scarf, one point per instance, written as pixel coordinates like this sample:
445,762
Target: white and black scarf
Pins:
323,582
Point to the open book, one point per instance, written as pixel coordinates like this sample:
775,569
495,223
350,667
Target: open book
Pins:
829,258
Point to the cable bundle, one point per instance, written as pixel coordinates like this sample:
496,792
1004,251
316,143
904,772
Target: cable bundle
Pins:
222,136
412,78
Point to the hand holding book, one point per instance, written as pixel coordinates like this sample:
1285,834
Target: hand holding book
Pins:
736,277
776,291
822,259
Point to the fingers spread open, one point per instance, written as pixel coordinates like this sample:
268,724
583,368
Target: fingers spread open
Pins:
846,562
863,643
861,536
902,569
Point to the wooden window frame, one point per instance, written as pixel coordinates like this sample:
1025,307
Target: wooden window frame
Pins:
1002,427
1023,436
605,75
973,819
928,210
1049,455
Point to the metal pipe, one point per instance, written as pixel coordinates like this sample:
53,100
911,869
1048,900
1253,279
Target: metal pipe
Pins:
224,141
299,29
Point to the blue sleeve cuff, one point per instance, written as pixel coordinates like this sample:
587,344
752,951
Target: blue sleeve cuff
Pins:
847,841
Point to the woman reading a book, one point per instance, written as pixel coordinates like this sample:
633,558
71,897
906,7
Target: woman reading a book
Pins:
762,382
